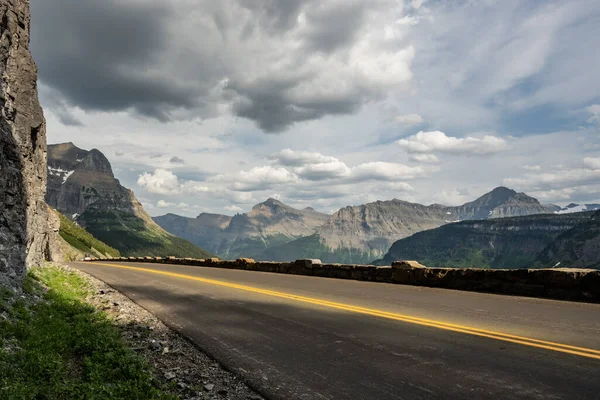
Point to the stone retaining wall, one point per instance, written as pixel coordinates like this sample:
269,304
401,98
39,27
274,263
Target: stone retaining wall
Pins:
561,284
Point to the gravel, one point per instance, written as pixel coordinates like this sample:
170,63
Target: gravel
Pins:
187,371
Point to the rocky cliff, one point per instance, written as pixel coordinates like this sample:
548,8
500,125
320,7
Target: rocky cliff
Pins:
25,234
82,186
578,247
371,228
245,235
79,179
514,242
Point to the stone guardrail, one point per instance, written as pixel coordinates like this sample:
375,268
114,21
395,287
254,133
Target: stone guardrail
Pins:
560,284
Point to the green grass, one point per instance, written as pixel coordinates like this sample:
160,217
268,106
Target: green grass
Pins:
134,237
82,240
66,349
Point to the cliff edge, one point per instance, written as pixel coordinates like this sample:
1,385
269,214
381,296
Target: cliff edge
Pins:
24,228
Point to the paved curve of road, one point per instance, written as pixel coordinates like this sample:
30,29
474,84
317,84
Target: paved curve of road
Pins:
299,337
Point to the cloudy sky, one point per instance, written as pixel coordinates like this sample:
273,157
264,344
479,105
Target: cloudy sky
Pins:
215,105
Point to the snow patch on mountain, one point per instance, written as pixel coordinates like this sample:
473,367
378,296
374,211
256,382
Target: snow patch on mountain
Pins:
573,208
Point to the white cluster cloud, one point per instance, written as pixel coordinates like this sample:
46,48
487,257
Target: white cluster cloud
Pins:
310,175
160,182
261,178
439,142
385,171
318,167
166,204
166,182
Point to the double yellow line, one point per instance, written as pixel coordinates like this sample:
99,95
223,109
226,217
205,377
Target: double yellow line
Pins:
542,344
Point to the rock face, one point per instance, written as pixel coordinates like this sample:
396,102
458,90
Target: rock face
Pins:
82,186
502,243
578,247
371,228
24,231
78,179
245,235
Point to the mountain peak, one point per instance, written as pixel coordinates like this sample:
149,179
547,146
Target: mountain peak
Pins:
271,200
501,202
503,190
66,153
96,161
271,203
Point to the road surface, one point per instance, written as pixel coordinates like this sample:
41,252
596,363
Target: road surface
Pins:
299,337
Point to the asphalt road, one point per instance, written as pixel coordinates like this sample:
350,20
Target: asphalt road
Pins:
297,337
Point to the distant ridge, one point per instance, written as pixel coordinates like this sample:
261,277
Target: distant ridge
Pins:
275,231
245,235
360,234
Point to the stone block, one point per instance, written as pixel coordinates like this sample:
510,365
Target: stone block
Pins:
307,263
406,264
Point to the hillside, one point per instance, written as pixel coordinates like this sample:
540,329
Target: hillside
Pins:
578,247
268,224
512,242
360,234
82,242
82,186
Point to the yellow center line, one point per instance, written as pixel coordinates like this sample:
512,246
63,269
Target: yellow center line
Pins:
543,344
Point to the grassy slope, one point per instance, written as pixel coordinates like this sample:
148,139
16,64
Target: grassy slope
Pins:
82,240
312,247
134,237
63,349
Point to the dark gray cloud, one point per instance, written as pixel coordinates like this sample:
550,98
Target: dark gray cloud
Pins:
268,103
176,160
275,62
335,26
97,54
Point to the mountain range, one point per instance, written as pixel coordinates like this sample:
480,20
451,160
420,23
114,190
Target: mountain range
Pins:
500,229
82,186
354,234
268,224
